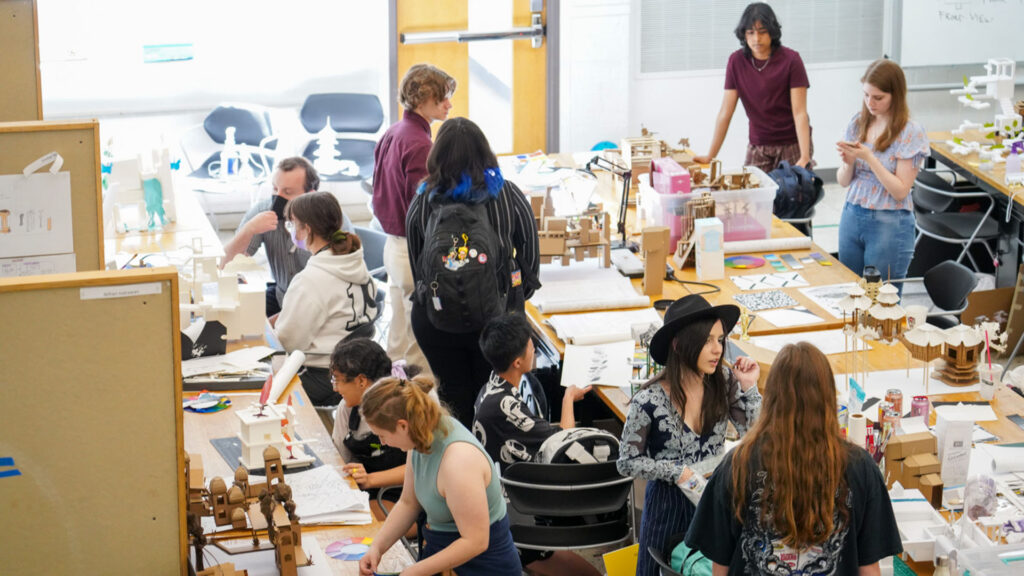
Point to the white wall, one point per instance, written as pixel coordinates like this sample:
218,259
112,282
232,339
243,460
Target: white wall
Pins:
604,97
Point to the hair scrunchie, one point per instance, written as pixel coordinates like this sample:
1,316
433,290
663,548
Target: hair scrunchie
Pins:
398,371
339,236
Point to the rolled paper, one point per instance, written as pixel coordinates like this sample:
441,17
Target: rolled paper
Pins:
767,245
858,430
285,374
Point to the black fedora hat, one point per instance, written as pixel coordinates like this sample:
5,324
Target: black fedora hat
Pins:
687,310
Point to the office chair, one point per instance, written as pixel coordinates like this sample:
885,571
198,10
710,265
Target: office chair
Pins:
373,251
348,112
659,558
947,284
567,506
253,133
938,217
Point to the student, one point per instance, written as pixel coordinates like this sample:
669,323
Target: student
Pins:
329,299
771,81
261,225
511,430
462,170
795,496
355,365
881,153
449,476
677,421
400,162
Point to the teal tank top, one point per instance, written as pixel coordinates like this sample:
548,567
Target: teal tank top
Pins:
425,468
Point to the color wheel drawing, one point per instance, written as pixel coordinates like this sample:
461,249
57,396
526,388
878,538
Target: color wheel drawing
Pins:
744,262
348,548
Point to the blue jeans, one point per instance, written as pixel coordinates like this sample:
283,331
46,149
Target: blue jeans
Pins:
880,238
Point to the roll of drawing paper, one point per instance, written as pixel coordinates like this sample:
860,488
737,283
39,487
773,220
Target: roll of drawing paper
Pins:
1005,459
284,376
858,430
767,245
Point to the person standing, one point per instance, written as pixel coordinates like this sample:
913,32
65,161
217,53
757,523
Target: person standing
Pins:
771,81
881,154
400,163
794,497
473,233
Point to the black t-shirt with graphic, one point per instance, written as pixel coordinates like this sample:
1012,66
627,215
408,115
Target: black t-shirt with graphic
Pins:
752,548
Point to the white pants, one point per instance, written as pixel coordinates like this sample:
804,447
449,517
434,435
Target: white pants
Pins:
401,341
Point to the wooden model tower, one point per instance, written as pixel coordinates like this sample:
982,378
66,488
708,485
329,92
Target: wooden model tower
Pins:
655,244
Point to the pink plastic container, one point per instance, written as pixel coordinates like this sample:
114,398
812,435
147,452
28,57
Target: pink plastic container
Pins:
668,177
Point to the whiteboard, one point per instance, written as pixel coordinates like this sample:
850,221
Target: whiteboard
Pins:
946,32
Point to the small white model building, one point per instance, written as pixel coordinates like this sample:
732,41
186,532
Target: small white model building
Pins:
239,307
999,83
143,191
328,158
270,425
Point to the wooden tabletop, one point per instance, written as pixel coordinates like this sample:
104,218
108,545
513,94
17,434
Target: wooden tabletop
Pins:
993,179
201,428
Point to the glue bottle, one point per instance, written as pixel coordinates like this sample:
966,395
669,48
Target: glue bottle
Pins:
1013,160
230,158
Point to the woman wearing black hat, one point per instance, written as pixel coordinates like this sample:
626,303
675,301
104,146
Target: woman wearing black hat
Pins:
677,421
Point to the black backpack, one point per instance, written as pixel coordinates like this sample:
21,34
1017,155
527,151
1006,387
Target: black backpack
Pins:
459,268
799,190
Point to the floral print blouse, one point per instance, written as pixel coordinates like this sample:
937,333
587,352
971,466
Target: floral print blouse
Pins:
657,444
865,188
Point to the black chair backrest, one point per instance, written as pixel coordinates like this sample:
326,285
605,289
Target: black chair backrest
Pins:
565,490
348,112
659,558
949,283
251,126
926,199
373,246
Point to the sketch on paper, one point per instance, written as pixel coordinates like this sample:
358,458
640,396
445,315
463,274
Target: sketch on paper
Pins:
35,215
828,297
602,364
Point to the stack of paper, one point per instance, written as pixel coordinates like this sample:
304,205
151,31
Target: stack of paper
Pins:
322,496
242,360
602,327
585,286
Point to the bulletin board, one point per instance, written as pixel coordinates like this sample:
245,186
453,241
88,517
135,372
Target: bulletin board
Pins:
91,446
78,143
20,87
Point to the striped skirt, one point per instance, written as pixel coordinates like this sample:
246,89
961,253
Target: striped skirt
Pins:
667,511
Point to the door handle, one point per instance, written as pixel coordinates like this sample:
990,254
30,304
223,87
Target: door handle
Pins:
535,32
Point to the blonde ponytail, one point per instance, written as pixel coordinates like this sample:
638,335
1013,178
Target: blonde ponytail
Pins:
392,399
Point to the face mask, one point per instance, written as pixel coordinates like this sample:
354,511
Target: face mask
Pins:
299,243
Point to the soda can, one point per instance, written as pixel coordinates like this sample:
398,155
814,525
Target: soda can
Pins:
894,396
882,407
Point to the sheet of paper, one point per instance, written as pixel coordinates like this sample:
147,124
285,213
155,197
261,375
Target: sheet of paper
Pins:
600,327
604,364
785,317
585,286
757,301
322,491
828,341
32,265
967,412
239,360
768,281
262,563
827,296
878,382
35,215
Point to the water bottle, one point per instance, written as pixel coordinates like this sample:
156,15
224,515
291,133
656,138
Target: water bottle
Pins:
230,158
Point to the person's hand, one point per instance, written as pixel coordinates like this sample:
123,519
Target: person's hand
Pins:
747,371
575,392
273,320
704,159
804,162
358,473
262,222
686,475
368,563
850,151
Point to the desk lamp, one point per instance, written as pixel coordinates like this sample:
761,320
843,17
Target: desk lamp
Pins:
627,175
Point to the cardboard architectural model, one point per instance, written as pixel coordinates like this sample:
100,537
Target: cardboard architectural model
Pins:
585,236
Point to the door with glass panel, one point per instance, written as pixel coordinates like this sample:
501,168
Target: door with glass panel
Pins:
496,50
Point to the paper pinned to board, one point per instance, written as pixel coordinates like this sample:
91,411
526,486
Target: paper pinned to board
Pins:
601,364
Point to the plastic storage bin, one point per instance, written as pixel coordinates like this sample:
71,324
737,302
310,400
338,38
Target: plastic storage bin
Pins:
1005,560
745,214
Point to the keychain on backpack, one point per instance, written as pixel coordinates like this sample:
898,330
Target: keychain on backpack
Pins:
435,299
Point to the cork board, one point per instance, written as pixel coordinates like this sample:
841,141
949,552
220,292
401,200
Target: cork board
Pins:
91,446
79,144
20,93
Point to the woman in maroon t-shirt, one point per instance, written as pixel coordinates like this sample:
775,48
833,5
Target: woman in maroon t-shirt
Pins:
771,81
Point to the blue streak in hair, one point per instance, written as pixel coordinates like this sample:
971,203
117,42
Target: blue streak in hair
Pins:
465,192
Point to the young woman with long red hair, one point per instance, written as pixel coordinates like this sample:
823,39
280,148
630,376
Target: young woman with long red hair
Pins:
881,153
794,496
